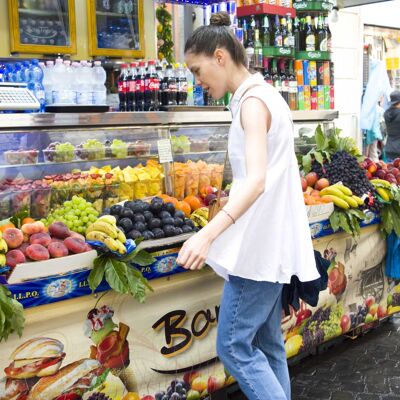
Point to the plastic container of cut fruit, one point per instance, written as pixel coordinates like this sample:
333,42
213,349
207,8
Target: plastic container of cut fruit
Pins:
111,195
94,195
20,200
40,202
57,156
198,146
154,187
179,185
192,183
140,188
16,157
90,154
5,203
139,149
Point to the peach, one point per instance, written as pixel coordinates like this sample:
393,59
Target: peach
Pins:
15,257
382,312
57,249
75,245
59,230
37,252
76,235
188,377
304,183
23,248
321,184
215,383
200,383
33,227
40,238
311,178
13,237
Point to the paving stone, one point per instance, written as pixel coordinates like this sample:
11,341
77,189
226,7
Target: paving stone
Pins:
318,393
380,388
367,396
342,396
355,387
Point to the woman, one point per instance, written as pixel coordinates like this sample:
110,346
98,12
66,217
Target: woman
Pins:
392,121
261,237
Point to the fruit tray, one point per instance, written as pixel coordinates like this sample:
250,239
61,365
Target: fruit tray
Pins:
54,266
16,157
319,212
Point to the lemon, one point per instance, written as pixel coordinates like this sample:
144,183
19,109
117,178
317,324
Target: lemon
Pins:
292,345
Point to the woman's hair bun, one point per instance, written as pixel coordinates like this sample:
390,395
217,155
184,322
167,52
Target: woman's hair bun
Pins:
221,18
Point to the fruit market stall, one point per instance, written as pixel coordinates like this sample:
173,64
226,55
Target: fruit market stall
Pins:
110,208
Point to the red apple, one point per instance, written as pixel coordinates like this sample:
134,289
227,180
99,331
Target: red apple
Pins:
396,162
311,178
380,174
395,171
369,301
382,311
321,184
345,323
215,382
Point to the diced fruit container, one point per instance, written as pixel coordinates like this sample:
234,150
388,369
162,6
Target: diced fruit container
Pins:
117,151
5,202
111,195
218,145
139,149
40,200
319,212
198,146
141,189
57,156
90,154
179,185
20,200
16,157
94,195
58,196
192,183
154,187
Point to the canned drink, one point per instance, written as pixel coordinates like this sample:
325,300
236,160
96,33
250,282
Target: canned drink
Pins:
215,8
321,98
307,97
320,73
327,78
231,7
312,73
298,66
239,34
300,98
306,76
327,97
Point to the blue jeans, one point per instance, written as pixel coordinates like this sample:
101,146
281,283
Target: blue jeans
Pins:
250,342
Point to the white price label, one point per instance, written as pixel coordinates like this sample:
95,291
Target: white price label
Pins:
164,151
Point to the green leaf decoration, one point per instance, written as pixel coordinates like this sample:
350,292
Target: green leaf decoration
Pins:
12,318
17,218
115,273
97,273
306,163
318,156
335,220
320,139
143,258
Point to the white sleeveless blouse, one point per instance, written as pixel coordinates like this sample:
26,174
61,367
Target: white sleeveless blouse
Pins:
271,241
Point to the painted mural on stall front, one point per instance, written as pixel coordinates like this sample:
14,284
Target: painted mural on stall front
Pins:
114,348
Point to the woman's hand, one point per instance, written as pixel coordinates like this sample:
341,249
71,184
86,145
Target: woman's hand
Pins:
194,252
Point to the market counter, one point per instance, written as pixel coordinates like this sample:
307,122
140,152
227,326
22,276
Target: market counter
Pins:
172,335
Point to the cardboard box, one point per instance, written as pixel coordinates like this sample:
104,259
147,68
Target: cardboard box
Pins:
319,212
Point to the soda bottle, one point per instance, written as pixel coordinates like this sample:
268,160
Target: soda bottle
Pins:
123,88
169,87
160,75
139,86
132,87
151,88
181,95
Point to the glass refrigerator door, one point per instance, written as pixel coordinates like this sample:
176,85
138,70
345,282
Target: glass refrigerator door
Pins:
116,28
42,26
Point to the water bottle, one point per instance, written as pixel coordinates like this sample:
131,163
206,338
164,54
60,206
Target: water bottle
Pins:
189,79
2,69
76,74
19,74
69,93
58,82
99,88
9,73
198,95
48,82
35,83
25,67
84,94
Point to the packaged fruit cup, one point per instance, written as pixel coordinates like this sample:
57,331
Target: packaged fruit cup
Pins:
140,188
77,186
217,175
179,184
5,200
59,194
198,146
154,187
111,194
139,149
20,200
192,183
40,201
94,195
57,156
92,149
118,149
204,177
15,157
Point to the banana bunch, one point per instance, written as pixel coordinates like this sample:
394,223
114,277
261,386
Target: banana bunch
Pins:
3,250
105,230
383,188
341,196
200,216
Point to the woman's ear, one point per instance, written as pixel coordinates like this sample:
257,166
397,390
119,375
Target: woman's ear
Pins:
220,56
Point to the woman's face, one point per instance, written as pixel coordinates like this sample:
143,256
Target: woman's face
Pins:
209,72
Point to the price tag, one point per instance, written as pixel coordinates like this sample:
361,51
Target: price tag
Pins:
164,151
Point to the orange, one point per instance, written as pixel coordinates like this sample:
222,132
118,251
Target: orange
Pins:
326,199
185,207
172,200
193,201
6,226
164,196
27,220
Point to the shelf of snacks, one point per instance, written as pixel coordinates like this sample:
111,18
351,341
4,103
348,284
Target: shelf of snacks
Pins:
43,29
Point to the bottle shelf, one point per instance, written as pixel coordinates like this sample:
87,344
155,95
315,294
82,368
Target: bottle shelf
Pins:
313,55
257,9
320,6
287,52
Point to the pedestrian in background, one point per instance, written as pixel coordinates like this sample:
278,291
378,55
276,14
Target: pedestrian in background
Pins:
392,121
261,237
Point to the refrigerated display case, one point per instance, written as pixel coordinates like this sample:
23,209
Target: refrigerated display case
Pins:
116,28
42,26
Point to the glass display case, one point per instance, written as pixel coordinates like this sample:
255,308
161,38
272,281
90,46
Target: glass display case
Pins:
116,28
42,26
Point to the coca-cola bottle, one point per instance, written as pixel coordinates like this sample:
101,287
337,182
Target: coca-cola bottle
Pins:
151,88
160,75
132,87
181,96
139,80
123,88
168,88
